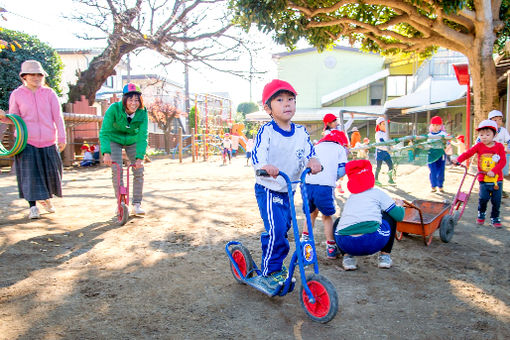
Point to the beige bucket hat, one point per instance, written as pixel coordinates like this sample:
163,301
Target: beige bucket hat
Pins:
32,66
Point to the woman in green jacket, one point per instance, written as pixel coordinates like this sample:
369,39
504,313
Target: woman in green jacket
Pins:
125,127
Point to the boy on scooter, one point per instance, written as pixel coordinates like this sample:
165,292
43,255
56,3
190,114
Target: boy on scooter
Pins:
279,145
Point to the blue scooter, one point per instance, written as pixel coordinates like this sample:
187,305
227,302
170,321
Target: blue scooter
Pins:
318,295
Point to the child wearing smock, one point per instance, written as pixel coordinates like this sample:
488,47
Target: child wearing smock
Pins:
279,145
436,158
321,187
368,221
381,152
491,160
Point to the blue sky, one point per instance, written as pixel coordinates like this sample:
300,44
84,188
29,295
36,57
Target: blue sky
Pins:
44,19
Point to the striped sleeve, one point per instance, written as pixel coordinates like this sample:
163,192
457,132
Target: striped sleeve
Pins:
259,155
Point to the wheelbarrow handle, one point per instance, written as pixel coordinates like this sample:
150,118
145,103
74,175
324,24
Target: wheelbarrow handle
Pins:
410,205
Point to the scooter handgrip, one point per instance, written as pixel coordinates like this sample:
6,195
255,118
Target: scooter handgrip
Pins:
261,172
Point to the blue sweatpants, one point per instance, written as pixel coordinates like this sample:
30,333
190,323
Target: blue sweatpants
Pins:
487,193
437,172
275,212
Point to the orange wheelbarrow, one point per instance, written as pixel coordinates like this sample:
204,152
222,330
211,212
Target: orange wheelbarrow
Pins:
425,217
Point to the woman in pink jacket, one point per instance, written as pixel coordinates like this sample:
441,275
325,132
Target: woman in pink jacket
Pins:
38,166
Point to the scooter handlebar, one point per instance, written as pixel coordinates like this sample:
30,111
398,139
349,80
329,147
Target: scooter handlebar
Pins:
263,173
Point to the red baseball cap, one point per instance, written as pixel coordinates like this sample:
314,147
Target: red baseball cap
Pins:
329,118
274,86
335,136
436,120
360,175
461,138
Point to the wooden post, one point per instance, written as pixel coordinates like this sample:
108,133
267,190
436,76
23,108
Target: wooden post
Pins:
193,144
180,144
68,153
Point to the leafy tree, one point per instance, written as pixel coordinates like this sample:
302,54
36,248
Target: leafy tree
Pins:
247,107
185,31
164,114
475,28
11,58
191,118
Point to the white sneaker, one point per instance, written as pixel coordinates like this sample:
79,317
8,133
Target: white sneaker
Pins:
137,209
34,213
47,205
349,262
385,261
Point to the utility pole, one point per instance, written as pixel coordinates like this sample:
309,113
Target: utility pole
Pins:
186,84
251,73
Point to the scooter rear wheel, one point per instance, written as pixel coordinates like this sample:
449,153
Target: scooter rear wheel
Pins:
123,214
326,299
242,258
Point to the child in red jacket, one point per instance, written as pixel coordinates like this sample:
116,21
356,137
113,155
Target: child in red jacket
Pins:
491,161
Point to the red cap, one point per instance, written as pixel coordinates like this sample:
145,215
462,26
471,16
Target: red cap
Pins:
461,138
274,86
359,173
329,118
335,136
436,120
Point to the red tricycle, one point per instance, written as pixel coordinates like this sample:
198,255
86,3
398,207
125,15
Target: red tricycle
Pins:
425,217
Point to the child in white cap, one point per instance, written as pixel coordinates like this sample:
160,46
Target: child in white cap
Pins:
502,137
381,152
491,160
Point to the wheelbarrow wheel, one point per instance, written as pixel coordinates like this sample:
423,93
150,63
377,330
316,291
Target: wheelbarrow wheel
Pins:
242,258
446,228
123,214
326,299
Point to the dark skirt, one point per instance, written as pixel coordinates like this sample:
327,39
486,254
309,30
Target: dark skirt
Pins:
39,173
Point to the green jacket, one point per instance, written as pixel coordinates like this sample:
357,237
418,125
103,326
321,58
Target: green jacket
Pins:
116,129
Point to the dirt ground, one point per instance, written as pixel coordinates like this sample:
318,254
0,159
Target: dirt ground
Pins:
75,274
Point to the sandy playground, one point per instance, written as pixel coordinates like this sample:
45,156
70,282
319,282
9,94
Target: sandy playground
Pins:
75,274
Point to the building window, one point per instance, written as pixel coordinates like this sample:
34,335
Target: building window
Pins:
376,92
397,86
109,82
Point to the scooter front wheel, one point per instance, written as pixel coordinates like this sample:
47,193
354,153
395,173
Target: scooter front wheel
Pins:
326,299
123,214
242,258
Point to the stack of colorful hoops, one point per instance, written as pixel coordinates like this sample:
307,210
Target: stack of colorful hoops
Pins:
21,137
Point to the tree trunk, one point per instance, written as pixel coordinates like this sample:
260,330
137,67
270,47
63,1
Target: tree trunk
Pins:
100,68
167,141
482,67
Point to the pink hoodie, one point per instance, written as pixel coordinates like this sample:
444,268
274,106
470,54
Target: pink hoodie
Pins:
42,114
